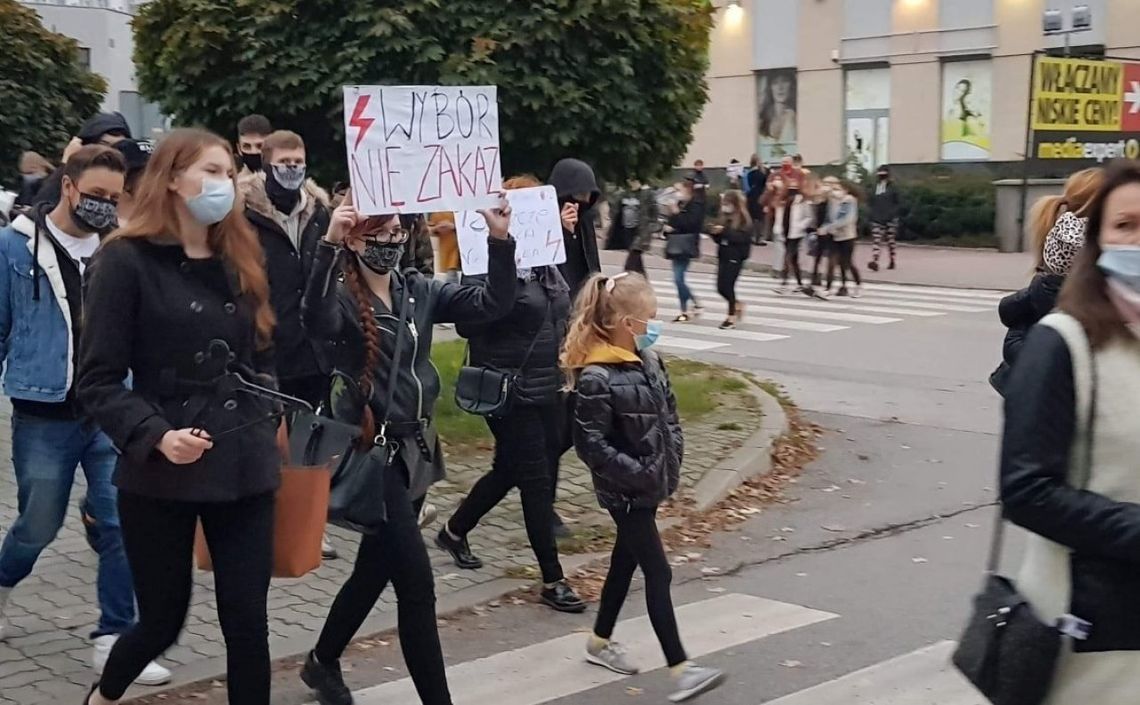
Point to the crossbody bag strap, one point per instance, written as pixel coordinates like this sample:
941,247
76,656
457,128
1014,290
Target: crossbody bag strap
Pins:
394,375
1085,383
537,335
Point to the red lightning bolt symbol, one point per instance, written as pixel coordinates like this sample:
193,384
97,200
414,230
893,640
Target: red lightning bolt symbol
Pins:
357,119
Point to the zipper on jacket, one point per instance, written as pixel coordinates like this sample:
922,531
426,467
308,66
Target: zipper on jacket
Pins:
415,355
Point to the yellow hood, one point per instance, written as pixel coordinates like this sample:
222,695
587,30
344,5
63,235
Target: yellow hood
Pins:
609,354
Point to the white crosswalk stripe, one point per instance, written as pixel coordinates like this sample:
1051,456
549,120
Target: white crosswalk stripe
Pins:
557,668
771,317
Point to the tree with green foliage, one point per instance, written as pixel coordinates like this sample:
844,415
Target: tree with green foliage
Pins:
45,94
615,82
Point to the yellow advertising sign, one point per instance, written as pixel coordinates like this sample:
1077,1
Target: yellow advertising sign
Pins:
1078,94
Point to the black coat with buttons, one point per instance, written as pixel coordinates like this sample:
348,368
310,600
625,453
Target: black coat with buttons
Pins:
153,313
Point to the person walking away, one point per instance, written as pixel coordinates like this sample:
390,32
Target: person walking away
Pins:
627,432
252,131
733,236
34,170
290,214
797,216
578,193
360,317
1057,230
637,213
179,301
824,243
43,256
885,208
843,226
683,229
1068,458
525,343
442,228
755,180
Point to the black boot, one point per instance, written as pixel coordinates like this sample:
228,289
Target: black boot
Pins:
326,681
459,550
873,265
892,264
562,598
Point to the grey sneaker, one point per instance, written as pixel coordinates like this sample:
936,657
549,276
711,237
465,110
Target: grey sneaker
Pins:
428,515
611,656
695,680
5,628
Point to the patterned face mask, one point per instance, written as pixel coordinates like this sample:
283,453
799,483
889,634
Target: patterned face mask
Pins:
289,176
95,214
381,257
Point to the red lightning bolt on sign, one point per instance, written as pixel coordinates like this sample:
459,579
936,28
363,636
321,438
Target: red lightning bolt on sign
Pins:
358,119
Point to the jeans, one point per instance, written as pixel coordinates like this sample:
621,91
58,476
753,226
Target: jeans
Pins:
160,545
396,554
517,436
639,544
680,268
45,454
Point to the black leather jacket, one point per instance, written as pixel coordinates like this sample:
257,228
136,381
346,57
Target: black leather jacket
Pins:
1019,312
1103,533
627,432
539,317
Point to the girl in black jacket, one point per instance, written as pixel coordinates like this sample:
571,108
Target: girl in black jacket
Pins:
733,237
683,232
627,432
179,300
360,319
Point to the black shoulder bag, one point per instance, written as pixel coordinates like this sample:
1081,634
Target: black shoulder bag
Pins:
1006,651
356,497
487,391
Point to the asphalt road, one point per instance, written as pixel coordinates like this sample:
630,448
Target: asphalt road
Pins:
851,592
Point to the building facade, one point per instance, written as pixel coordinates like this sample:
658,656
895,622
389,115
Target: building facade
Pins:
878,81
103,30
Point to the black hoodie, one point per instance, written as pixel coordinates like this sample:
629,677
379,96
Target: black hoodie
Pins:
571,176
92,131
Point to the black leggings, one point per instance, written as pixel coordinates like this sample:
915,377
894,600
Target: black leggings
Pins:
727,272
639,544
396,554
792,260
844,258
516,464
159,538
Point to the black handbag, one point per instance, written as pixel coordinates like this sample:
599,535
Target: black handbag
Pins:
487,391
1006,651
682,246
359,465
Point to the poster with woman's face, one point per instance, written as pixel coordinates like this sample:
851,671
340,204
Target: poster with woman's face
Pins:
776,89
967,99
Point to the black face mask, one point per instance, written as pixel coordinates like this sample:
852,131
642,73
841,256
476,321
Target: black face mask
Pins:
251,161
381,257
95,215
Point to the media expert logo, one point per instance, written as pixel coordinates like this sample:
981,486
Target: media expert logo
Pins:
1060,147
1086,109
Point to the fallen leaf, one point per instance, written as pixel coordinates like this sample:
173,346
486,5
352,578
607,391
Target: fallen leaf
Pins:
634,691
791,664
834,527
905,447
710,571
825,643
716,590
801,575
919,560
862,457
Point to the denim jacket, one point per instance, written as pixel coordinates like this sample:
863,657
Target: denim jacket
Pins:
36,342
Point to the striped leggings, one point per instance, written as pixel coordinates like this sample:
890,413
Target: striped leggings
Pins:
888,230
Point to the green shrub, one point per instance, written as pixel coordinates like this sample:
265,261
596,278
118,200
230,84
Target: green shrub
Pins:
941,208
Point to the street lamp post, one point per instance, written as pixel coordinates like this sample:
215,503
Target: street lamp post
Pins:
1053,23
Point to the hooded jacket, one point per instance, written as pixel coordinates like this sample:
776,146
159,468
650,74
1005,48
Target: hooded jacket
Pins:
626,428
539,318
92,131
569,177
1019,312
288,268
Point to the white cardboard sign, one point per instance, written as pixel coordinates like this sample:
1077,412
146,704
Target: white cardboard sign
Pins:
536,225
422,149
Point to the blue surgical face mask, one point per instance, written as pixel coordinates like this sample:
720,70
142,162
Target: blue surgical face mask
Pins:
1122,263
214,203
651,335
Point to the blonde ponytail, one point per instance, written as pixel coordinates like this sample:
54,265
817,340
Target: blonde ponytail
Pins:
600,306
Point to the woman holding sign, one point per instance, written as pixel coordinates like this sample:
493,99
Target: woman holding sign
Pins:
361,317
525,343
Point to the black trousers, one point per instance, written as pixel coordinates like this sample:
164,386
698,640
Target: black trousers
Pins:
727,272
792,260
634,262
844,257
524,440
396,554
159,538
639,544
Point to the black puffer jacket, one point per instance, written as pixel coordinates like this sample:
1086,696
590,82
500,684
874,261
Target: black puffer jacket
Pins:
572,177
1019,312
627,432
539,317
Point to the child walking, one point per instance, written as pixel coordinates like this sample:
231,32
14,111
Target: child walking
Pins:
627,432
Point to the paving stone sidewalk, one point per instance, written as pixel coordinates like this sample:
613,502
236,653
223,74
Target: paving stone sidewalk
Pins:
47,657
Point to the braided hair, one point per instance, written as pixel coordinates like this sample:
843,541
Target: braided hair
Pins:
360,293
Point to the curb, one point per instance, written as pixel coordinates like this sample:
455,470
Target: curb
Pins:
753,459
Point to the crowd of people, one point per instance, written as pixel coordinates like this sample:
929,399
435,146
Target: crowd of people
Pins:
147,286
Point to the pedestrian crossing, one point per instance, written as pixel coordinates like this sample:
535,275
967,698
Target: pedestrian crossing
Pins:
771,317
556,669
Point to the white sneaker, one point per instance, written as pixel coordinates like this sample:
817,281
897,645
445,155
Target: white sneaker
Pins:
153,674
857,292
327,551
5,593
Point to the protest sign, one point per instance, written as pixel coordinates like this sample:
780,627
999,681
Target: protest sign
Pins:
422,149
536,225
